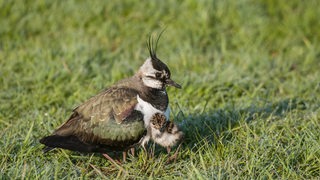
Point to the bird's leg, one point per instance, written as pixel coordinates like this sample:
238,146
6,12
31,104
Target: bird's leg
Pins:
152,150
145,150
175,155
124,156
132,151
110,159
118,164
168,150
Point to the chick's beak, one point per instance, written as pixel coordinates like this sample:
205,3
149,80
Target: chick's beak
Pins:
172,83
164,127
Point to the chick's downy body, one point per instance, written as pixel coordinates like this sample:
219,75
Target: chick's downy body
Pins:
163,132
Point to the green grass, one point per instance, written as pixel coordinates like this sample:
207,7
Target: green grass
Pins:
250,73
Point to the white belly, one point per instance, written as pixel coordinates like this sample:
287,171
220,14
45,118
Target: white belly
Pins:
148,111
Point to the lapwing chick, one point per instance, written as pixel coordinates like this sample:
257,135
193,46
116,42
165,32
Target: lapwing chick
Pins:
117,118
165,133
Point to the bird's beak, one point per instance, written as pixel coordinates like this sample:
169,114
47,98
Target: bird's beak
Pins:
162,129
164,126
172,83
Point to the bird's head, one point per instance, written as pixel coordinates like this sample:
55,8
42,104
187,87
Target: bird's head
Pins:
154,73
158,121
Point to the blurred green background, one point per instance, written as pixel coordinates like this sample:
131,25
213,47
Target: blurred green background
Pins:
249,69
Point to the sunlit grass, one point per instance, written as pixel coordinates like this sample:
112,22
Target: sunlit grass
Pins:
249,69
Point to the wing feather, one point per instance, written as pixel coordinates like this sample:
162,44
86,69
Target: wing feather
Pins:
107,120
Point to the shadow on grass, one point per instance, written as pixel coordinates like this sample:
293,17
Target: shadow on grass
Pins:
210,125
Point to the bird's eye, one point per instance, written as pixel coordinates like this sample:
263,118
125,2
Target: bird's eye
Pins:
158,75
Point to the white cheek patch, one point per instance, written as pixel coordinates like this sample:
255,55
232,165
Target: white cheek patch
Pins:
148,71
153,83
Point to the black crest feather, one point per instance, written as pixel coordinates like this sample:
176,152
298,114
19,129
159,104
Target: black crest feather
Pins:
153,45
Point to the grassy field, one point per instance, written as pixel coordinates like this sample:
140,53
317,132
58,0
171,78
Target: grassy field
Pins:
250,103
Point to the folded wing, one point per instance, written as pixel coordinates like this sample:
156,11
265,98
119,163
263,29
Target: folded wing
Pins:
107,121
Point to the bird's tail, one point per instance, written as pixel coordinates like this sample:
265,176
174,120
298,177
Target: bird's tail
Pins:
68,142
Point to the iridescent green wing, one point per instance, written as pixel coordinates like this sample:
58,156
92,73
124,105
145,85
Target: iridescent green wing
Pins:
108,118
